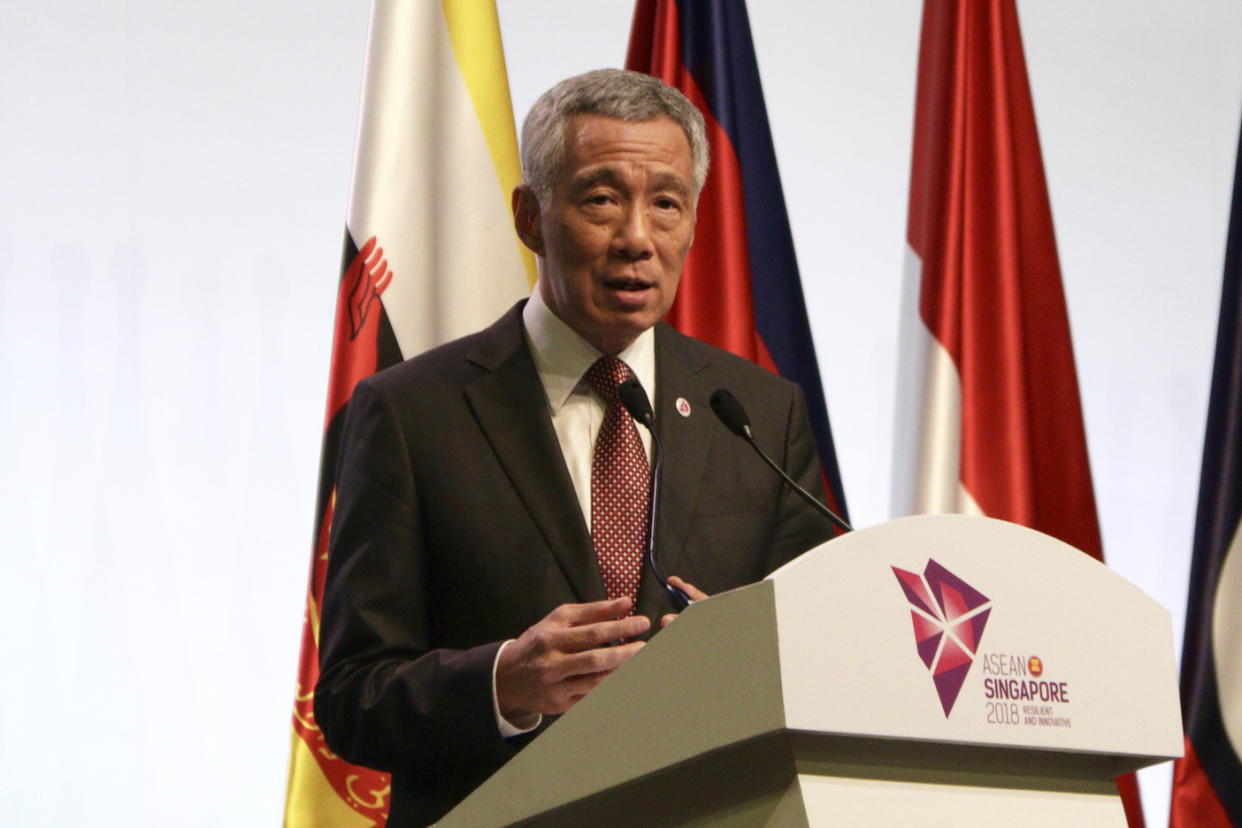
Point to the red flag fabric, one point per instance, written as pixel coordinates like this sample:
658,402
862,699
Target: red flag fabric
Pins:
740,288
989,416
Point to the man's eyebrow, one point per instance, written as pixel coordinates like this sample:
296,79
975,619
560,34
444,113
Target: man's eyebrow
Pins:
605,174
671,181
609,174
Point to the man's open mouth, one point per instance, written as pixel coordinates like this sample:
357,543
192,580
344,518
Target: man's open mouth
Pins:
627,284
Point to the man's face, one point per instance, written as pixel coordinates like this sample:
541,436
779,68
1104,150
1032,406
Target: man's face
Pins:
614,231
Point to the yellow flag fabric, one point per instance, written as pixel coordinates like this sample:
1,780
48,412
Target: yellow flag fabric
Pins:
430,255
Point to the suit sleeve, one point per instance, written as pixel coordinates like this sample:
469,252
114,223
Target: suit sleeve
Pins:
798,527
385,698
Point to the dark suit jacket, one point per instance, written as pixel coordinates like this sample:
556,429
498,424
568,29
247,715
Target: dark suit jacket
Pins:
456,527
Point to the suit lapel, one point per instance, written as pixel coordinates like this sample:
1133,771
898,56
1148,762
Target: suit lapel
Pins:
687,442
512,411
509,404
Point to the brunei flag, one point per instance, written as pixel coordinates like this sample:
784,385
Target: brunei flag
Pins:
430,255
1207,783
740,288
989,420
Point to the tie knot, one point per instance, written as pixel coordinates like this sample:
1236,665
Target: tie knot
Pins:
605,375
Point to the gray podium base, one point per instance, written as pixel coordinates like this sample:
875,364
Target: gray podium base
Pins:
799,779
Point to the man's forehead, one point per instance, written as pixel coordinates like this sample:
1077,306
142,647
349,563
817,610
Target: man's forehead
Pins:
594,144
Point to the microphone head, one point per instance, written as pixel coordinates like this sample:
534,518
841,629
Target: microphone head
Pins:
730,412
634,398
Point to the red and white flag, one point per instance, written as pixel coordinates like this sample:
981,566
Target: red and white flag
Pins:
430,255
989,420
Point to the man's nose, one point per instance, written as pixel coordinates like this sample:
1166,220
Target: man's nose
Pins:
633,238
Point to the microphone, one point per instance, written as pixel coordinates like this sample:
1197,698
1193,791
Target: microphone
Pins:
730,412
634,398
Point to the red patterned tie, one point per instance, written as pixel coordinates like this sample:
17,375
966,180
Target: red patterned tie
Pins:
620,488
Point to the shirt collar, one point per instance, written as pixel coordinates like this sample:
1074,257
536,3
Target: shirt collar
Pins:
562,356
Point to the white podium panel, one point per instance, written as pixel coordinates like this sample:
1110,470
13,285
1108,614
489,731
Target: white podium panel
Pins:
1052,649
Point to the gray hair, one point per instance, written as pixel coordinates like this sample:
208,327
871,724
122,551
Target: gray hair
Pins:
615,93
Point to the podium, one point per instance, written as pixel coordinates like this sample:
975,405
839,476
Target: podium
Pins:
934,670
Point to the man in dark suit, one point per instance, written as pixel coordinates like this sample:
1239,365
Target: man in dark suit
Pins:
471,595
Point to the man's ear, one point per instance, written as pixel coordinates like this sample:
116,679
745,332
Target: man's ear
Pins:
526,218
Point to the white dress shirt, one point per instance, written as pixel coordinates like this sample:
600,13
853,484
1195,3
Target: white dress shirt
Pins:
561,358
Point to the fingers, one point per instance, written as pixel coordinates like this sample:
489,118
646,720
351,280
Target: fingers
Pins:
690,589
601,661
583,678
577,687
576,644
576,627
589,613
588,636
562,657
571,691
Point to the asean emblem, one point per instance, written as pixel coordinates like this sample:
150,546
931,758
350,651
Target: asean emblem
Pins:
949,616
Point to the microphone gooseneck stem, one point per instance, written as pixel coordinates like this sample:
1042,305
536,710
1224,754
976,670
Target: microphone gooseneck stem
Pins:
731,413
679,598
803,493
634,398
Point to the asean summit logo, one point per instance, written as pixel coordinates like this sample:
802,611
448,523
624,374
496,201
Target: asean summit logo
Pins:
949,616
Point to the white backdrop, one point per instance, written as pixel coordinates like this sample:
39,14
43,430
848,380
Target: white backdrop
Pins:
175,179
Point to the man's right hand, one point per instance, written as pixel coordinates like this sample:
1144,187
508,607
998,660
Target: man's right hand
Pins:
562,658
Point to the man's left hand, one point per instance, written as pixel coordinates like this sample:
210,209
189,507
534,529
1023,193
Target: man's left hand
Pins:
690,589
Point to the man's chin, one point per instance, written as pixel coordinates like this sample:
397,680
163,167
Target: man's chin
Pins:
618,332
